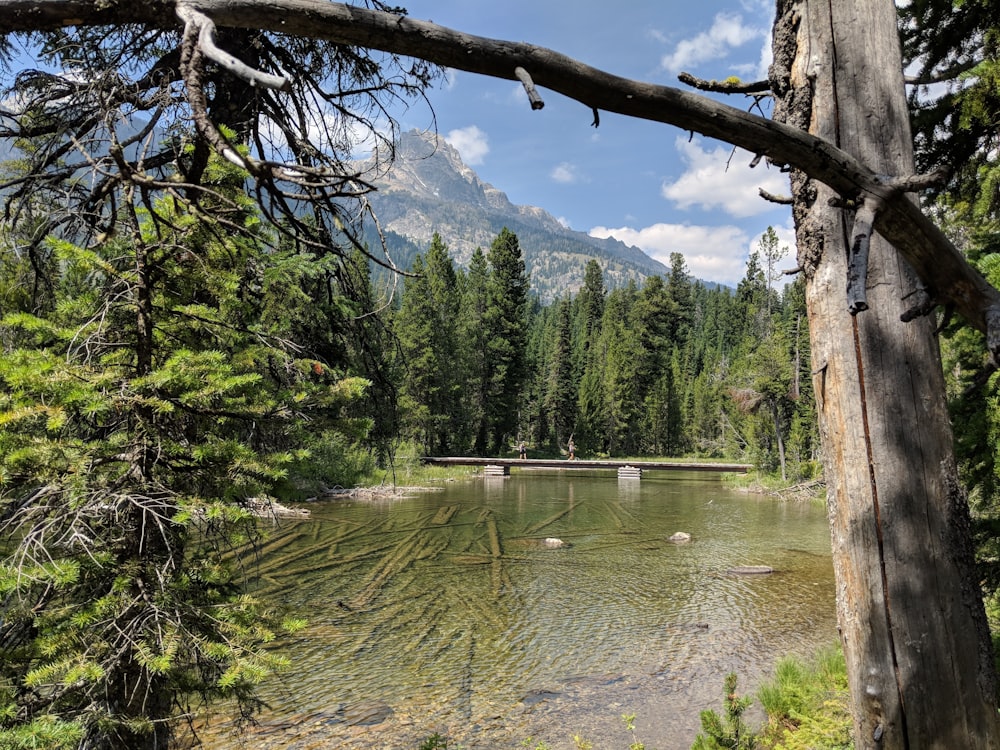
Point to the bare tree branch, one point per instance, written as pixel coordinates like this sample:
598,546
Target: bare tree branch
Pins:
783,200
725,87
857,265
234,65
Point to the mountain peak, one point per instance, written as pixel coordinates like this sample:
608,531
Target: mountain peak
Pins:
427,165
429,188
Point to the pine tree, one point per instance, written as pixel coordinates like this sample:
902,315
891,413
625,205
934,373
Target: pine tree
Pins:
561,393
588,308
428,332
623,352
535,424
505,324
144,419
473,332
653,317
679,291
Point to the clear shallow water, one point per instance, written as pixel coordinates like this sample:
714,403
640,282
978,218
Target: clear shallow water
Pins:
444,612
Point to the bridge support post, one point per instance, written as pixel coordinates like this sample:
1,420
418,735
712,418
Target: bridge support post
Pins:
492,470
629,472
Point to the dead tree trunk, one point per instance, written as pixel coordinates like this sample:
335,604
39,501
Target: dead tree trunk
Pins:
910,614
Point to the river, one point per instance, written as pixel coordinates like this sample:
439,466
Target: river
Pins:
445,612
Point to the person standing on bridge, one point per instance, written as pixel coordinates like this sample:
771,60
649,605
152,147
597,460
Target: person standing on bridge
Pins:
522,449
571,447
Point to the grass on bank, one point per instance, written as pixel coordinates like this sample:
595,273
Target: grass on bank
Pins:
806,704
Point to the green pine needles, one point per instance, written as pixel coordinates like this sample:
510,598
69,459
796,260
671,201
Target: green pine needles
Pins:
728,731
150,395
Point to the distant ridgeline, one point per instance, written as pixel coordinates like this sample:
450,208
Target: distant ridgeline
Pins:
430,189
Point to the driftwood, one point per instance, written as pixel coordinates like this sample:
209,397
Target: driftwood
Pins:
266,507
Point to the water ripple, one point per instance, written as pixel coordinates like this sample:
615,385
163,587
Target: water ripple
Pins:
448,613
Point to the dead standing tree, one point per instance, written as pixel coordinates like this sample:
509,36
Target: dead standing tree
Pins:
909,606
909,609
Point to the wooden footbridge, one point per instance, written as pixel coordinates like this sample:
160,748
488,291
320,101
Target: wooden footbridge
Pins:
626,469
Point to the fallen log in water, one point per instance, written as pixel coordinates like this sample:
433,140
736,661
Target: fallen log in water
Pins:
551,519
444,515
403,554
749,570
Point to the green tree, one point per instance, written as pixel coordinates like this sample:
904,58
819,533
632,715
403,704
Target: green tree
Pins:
505,322
750,316
762,390
953,49
589,359
729,731
763,370
621,346
588,310
477,353
654,318
427,325
360,343
561,392
144,421
591,407
680,292
771,253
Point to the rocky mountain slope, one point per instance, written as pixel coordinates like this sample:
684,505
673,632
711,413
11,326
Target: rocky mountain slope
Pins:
430,189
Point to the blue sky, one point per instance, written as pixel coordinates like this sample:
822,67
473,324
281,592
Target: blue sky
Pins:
647,184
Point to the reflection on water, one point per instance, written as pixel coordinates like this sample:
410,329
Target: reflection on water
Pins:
448,612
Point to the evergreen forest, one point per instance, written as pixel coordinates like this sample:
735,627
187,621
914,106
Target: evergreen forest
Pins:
671,367
193,329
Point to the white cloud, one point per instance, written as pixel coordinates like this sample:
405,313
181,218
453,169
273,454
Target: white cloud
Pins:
657,35
764,61
721,179
711,253
728,31
471,143
565,173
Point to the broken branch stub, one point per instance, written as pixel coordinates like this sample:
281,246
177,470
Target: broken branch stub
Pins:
857,262
529,87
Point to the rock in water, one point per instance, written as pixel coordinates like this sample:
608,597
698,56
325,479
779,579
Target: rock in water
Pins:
679,537
750,570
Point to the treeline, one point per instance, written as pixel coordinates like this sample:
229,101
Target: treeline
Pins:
669,368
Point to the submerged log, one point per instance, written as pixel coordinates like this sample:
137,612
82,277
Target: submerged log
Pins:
749,570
